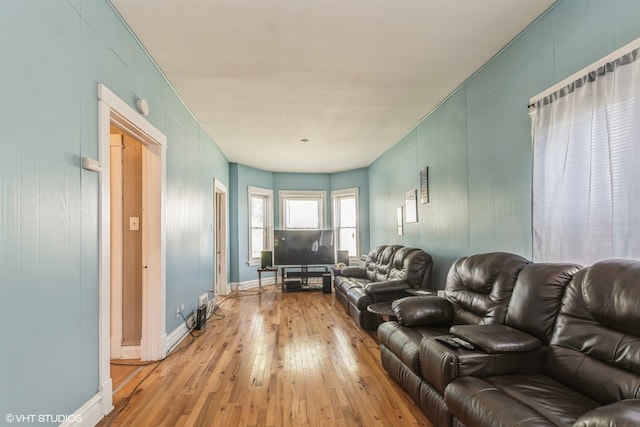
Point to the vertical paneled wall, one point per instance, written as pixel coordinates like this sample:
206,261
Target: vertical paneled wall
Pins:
477,144
54,54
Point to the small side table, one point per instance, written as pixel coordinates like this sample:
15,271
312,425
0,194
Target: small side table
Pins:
266,270
383,310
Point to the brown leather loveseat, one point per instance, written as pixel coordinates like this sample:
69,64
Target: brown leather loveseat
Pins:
566,351
388,272
590,373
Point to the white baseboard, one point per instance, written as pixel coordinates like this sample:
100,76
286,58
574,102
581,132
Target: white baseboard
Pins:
251,284
179,333
130,352
88,414
174,338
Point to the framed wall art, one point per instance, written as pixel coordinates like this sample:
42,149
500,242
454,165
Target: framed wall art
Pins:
410,206
424,185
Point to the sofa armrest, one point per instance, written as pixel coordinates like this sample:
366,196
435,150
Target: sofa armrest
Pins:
423,311
354,271
625,413
497,338
441,364
387,291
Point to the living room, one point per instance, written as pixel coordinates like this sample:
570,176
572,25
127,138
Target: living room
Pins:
476,144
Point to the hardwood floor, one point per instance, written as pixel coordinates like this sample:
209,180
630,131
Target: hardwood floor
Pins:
269,359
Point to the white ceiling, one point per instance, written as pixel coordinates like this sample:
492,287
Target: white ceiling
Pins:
352,77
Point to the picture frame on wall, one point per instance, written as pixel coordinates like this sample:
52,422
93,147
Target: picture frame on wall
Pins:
410,206
424,185
399,220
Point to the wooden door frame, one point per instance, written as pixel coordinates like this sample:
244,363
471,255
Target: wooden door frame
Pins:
113,110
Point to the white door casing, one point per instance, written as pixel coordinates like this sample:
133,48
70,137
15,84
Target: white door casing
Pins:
113,110
220,250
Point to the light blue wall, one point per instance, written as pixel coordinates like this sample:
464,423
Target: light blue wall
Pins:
477,144
241,177
54,54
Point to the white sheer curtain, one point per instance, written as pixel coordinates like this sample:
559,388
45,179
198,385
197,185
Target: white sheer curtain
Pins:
586,167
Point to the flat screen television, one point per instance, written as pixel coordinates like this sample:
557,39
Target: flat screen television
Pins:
303,247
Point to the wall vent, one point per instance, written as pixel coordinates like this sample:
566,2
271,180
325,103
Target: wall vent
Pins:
203,300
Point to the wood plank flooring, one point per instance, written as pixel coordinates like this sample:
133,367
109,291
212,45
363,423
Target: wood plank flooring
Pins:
269,359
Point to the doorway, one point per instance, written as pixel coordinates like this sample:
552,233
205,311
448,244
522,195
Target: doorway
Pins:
113,112
220,261
127,232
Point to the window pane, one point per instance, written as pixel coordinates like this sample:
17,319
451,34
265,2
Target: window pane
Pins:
257,211
347,240
347,211
257,242
302,214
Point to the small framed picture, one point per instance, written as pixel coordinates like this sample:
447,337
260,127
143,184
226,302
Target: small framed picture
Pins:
410,206
424,185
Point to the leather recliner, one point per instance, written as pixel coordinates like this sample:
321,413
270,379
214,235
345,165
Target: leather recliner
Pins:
477,291
517,345
590,375
389,271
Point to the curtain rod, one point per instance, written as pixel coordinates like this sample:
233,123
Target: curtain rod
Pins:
613,56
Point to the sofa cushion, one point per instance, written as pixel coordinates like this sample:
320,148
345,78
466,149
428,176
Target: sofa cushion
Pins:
611,292
595,346
620,414
479,286
531,400
378,262
536,298
412,265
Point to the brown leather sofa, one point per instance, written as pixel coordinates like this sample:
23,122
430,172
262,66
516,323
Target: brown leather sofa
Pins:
589,374
389,270
504,304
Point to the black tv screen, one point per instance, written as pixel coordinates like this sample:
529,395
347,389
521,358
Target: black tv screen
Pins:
303,247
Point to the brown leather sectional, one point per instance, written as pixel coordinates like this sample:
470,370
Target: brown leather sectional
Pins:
554,344
388,272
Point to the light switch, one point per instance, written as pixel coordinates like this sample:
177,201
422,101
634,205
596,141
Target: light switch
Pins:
134,223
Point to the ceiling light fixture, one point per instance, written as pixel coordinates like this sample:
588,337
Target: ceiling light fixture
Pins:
304,140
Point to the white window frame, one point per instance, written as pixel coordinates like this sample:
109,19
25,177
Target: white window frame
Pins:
268,221
335,196
318,196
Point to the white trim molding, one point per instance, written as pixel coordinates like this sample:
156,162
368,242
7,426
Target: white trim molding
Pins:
113,110
268,221
88,414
